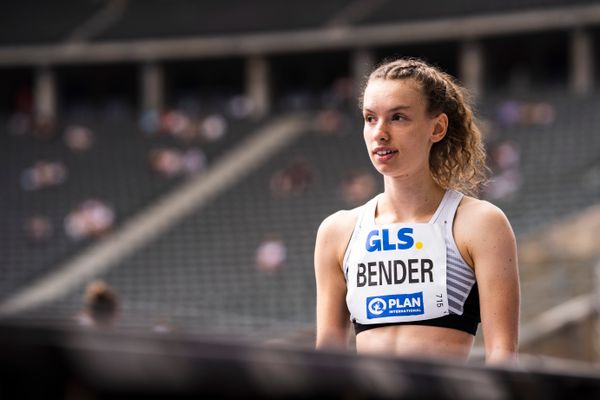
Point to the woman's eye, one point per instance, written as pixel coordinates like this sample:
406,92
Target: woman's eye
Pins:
369,118
397,117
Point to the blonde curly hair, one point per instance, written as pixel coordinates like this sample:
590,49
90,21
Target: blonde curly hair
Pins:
458,161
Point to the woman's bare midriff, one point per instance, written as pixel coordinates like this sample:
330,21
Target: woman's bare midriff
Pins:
415,340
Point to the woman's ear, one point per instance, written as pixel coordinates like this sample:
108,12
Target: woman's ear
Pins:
440,128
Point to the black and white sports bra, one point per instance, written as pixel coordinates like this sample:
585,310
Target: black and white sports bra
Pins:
410,273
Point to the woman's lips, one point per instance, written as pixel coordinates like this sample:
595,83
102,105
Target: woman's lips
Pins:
384,153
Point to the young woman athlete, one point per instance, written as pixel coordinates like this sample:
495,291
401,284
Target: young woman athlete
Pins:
417,268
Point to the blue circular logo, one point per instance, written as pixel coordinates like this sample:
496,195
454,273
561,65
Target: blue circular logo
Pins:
377,306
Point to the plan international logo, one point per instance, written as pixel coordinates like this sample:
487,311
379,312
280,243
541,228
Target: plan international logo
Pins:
395,305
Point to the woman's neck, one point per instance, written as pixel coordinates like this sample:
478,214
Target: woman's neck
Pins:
409,199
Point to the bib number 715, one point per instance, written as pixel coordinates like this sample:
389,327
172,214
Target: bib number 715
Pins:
439,300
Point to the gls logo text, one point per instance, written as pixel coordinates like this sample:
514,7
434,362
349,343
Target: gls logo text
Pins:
379,240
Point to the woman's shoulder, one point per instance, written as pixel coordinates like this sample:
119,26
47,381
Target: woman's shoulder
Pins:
336,229
478,221
340,221
477,225
478,211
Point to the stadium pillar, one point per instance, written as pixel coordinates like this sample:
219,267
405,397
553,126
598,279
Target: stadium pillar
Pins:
45,93
152,86
582,62
471,66
362,63
258,85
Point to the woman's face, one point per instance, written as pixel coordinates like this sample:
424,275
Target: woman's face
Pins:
398,130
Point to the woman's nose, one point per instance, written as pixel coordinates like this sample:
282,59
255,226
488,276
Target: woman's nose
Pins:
381,133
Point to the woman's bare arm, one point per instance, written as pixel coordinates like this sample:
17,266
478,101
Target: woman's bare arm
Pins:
492,248
332,314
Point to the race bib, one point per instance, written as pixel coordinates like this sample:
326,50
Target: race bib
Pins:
398,274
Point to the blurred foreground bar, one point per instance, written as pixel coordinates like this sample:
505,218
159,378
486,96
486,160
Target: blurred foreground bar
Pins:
75,364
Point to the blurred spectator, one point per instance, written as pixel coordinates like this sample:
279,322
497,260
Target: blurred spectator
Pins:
506,155
357,187
171,162
271,254
182,126
516,113
213,127
79,138
506,171
502,186
162,328
508,113
293,179
92,218
193,161
165,162
38,228
44,127
43,174
101,306
330,122
176,123
543,114
149,122
241,107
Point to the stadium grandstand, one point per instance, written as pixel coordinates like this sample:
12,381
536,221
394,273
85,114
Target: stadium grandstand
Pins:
184,153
